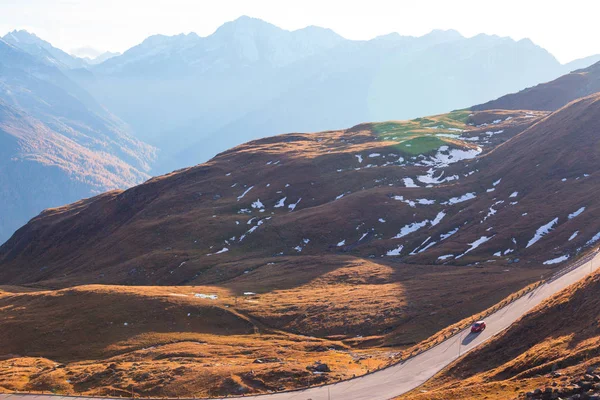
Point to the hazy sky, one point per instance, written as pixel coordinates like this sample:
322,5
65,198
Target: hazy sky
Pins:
568,29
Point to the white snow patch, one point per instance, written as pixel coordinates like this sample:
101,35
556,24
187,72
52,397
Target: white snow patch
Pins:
408,229
292,207
224,250
425,202
382,220
497,182
447,256
427,247
281,203
245,193
576,213
513,195
593,240
542,231
447,235
373,155
258,204
574,235
409,183
360,159
441,160
464,197
438,218
557,260
475,245
430,179
395,252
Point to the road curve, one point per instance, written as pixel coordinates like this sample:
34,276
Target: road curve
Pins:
401,378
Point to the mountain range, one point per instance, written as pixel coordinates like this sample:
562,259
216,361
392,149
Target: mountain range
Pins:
251,79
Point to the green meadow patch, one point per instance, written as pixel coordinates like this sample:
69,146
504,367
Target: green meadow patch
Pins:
424,135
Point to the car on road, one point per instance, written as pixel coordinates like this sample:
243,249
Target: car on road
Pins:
478,327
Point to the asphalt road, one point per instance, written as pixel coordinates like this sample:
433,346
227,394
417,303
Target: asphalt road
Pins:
401,378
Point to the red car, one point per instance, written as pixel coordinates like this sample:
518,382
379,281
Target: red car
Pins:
478,326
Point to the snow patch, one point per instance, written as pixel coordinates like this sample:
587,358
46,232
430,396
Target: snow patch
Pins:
292,207
410,228
464,197
409,183
447,235
258,204
557,260
475,245
576,213
574,235
541,232
224,250
281,203
438,218
245,193
395,252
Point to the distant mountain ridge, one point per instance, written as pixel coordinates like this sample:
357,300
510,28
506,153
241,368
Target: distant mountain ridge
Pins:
43,50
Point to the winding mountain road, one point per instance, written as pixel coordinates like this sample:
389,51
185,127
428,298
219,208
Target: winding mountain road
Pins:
401,378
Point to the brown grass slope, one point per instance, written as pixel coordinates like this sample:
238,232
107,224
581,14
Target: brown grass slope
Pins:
552,95
552,346
161,232
168,230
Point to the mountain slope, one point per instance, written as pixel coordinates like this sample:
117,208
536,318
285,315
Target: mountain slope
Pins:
552,95
60,145
331,190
